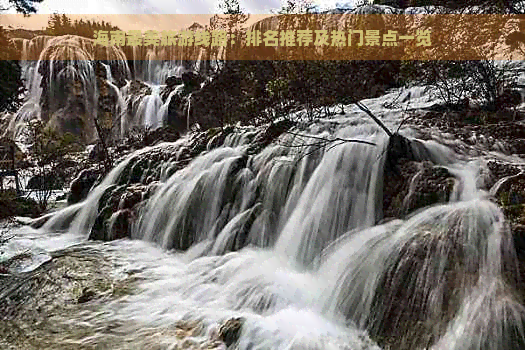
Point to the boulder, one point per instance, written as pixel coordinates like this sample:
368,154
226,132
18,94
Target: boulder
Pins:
230,331
190,79
415,185
173,81
81,185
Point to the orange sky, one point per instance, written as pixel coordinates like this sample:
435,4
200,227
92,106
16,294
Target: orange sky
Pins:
124,22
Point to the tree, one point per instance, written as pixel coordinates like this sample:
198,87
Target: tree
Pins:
21,6
48,150
12,86
298,7
487,6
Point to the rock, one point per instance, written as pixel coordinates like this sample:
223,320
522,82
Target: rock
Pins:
87,295
273,131
81,185
191,80
137,87
399,147
173,81
119,225
118,206
414,186
230,331
72,119
403,316
54,288
165,134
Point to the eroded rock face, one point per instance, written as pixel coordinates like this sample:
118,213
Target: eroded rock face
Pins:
415,186
179,104
120,205
230,331
403,318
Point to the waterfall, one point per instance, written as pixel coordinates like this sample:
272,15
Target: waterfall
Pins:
148,112
59,74
341,195
292,237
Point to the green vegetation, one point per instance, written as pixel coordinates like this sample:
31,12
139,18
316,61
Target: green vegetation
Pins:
62,25
10,75
48,150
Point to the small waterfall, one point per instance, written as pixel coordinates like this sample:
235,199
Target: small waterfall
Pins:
341,195
80,217
188,112
294,233
148,112
59,70
163,113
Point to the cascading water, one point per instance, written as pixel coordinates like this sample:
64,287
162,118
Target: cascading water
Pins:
291,238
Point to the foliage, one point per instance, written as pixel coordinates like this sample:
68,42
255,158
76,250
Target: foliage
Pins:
21,6
12,86
13,205
458,82
266,90
487,6
62,25
48,149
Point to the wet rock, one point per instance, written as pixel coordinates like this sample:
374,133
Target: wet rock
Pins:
415,185
401,148
402,317
510,195
494,130
184,329
230,331
272,132
119,225
36,304
82,184
173,81
137,87
119,206
87,295
163,134
191,80
499,170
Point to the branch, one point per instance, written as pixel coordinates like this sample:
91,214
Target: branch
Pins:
376,119
332,140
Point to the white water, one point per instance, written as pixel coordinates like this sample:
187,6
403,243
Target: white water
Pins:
314,270
60,60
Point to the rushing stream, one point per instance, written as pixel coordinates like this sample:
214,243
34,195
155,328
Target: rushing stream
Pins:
316,270
291,238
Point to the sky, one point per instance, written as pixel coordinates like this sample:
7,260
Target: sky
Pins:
144,7
160,6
